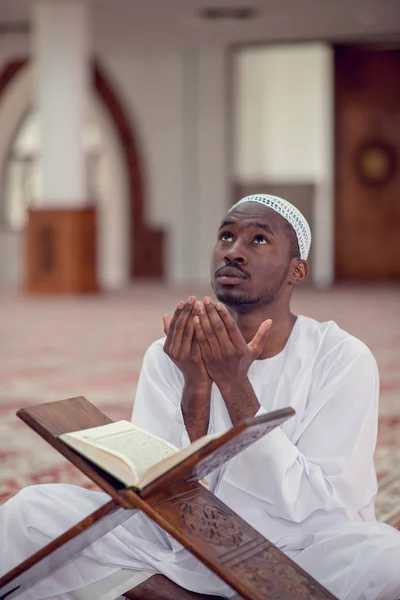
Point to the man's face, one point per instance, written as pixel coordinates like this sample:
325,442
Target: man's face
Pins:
250,261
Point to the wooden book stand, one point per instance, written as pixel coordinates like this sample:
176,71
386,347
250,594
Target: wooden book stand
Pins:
184,508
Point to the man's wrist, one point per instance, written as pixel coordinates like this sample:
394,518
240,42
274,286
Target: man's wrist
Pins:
196,385
234,384
239,398
195,406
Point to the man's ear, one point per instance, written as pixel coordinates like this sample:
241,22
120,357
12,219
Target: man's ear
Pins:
299,271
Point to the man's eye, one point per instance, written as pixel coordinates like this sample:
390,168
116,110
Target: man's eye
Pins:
226,237
260,239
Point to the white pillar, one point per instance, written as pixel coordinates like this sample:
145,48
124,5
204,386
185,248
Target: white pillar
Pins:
284,115
190,209
61,49
323,247
215,193
249,114
205,163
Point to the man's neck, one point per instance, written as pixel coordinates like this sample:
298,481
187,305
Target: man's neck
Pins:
282,324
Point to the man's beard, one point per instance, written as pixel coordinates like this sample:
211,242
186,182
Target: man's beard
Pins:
243,302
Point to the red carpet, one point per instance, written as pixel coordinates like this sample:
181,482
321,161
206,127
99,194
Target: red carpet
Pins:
53,349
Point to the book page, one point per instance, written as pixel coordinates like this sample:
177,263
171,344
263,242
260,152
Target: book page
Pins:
172,460
138,446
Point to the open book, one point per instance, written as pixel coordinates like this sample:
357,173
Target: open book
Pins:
137,458
133,456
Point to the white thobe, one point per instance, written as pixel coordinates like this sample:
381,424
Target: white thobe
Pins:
308,486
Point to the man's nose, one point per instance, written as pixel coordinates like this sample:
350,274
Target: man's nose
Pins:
236,254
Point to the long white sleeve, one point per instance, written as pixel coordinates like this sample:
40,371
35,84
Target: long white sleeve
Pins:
328,468
157,406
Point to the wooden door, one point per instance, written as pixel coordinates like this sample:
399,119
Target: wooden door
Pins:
367,135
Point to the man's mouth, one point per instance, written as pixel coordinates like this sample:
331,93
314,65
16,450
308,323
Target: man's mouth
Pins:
230,276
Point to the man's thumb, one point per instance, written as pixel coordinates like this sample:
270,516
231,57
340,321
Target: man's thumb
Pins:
167,322
258,342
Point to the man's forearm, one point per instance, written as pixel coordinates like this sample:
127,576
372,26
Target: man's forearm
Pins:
196,409
239,398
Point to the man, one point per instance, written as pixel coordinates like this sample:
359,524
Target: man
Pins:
308,486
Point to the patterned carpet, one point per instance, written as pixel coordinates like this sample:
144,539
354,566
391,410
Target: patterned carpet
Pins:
59,348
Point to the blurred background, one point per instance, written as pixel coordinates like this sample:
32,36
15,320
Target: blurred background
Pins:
128,128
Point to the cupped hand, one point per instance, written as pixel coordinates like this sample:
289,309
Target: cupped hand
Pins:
182,345
226,354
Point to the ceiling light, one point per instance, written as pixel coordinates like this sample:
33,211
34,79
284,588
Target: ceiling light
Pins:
212,13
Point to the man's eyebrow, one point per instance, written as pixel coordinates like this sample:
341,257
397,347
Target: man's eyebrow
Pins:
226,223
254,224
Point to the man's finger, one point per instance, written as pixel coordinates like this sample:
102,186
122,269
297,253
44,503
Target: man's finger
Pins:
195,349
207,329
166,322
257,344
170,334
230,325
217,324
187,339
200,336
180,326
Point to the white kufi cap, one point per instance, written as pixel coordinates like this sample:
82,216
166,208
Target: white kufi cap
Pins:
288,212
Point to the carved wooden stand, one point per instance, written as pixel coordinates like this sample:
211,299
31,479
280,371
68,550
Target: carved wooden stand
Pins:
208,528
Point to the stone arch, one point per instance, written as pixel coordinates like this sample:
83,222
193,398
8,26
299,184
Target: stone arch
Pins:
146,244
